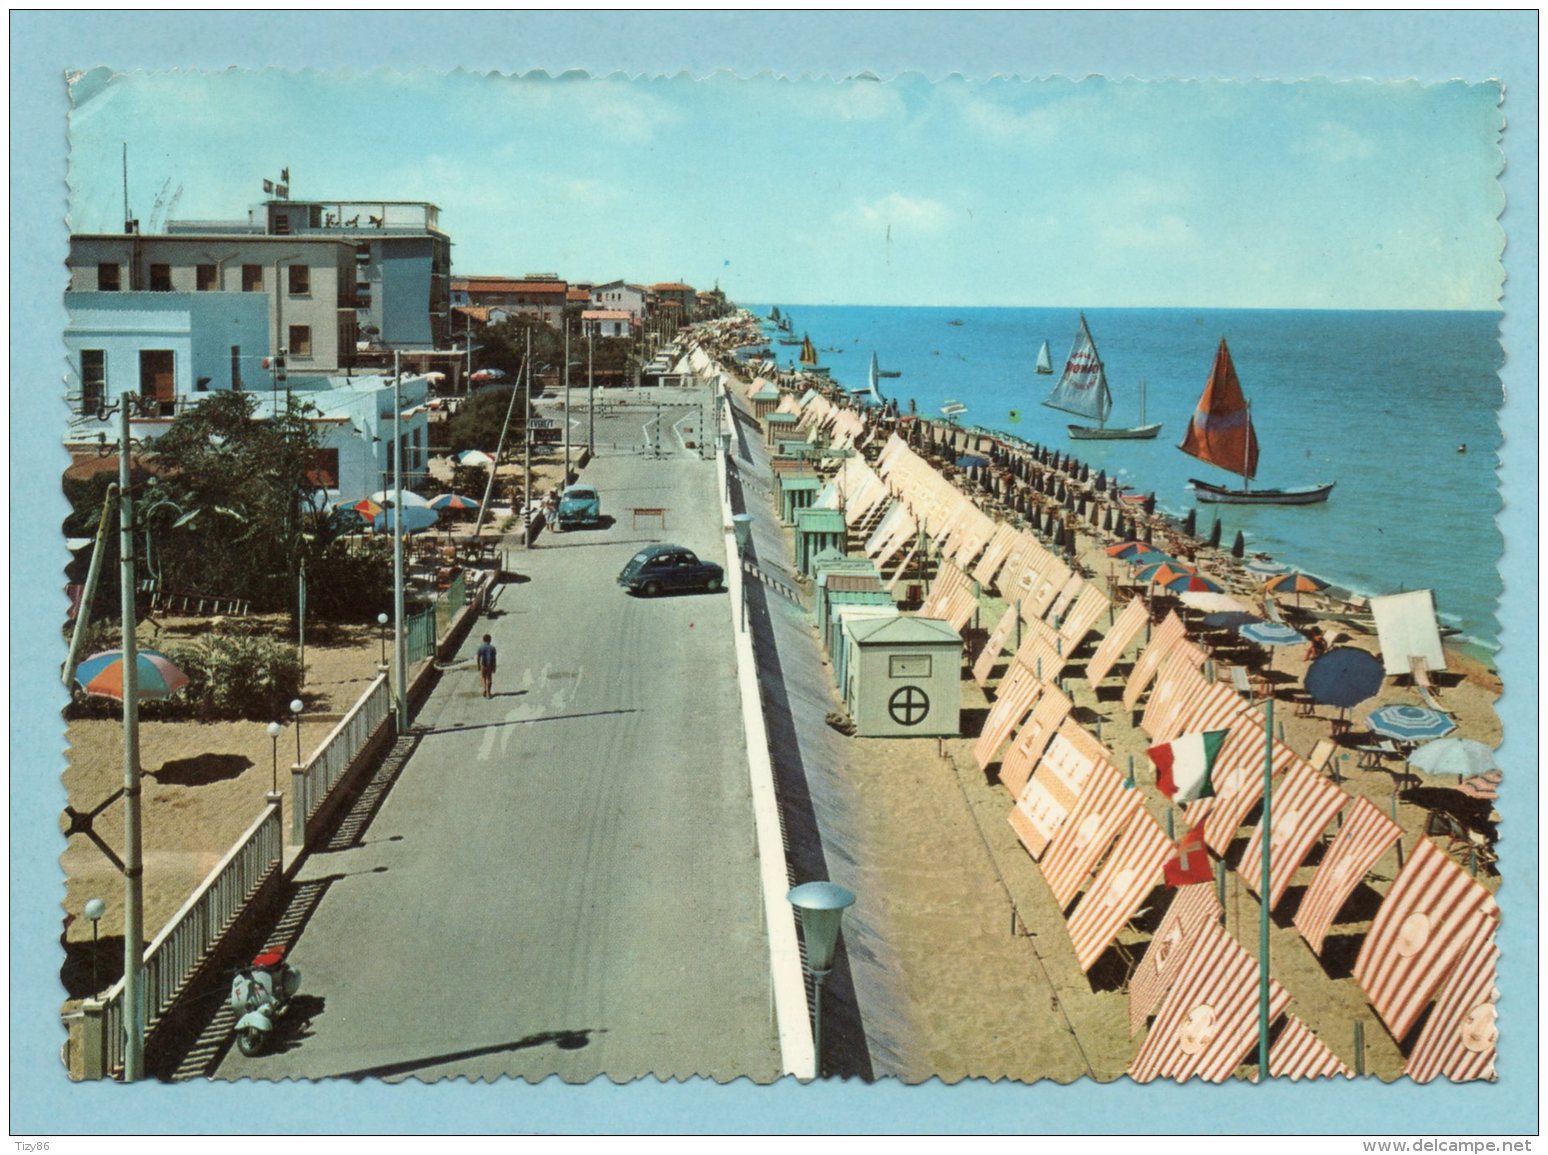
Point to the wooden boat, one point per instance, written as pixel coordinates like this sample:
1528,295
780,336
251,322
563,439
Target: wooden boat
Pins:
808,352
1222,434
1044,361
1082,390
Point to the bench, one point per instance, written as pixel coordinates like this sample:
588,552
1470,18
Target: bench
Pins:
657,511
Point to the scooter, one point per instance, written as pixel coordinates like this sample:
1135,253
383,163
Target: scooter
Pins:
260,992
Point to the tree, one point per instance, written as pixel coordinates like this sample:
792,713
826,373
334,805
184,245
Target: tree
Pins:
478,423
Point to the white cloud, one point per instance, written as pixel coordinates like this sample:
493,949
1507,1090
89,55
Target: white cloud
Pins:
850,100
896,210
1334,142
1164,232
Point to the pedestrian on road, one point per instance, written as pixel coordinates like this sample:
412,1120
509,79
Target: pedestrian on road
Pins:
486,665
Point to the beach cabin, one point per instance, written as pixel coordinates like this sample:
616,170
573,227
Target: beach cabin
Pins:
795,492
765,400
838,590
815,531
830,562
841,655
779,426
905,678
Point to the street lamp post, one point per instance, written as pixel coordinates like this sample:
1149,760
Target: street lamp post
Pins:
274,732
296,706
381,622
591,397
399,643
822,906
95,909
526,450
566,480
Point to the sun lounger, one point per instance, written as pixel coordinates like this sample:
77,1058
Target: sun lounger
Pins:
1371,756
1239,680
1419,669
1322,754
1271,610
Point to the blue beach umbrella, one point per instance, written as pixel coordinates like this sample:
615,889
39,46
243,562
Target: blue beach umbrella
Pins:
1410,723
1265,568
1229,620
1344,677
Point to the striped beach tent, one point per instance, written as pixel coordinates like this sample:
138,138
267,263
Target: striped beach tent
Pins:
1192,908
949,580
1304,803
1238,780
1044,588
995,553
983,665
1103,808
1082,616
958,609
1067,595
1458,1039
1028,748
1017,691
1298,1054
1367,834
1041,651
1204,705
1177,683
1116,641
1162,639
1130,873
1418,935
1209,1019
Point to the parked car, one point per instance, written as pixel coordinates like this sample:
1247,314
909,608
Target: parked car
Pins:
578,505
658,568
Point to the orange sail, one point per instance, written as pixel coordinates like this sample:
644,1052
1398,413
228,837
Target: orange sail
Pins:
1220,431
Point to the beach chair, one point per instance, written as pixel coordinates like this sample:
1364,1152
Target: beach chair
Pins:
1322,754
1419,670
1240,682
1271,610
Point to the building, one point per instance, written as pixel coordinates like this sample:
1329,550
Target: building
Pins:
308,284
622,296
678,293
607,323
168,346
402,261
540,297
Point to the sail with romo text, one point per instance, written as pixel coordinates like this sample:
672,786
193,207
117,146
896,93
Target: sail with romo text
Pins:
1082,389
1220,431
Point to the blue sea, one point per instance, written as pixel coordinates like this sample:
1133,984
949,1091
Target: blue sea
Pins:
1378,402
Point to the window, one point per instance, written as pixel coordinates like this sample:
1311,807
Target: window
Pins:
908,665
161,278
205,278
236,368
156,379
300,340
325,469
93,379
107,277
252,278
300,280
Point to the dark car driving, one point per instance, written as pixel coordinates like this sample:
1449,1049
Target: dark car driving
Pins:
658,568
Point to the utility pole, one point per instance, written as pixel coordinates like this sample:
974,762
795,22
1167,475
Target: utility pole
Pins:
526,449
566,480
400,645
134,894
591,399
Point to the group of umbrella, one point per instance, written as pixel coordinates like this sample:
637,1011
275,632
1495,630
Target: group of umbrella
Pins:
1343,677
379,512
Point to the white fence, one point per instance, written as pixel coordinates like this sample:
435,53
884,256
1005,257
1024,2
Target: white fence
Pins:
175,953
310,784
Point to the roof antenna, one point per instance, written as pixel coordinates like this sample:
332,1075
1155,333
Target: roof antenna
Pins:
128,221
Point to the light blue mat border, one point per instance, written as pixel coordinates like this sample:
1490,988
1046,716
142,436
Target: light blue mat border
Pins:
1426,46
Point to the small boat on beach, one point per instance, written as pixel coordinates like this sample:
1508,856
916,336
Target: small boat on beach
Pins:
1221,433
1082,390
952,410
1044,361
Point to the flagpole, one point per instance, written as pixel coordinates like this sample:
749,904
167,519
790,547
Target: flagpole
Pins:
1263,892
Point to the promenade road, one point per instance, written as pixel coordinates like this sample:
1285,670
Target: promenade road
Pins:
563,879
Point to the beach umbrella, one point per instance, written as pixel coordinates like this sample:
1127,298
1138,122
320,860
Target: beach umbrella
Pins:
1191,523
1214,534
102,675
1101,481
453,501
1192,583
474,457
1463,757
1150,534
1295,582
415,518
1229,620
1211,602
1271,634
1161,572
365,508
387,498
1410,723
1239,546
1263,567
1125,549
1343,677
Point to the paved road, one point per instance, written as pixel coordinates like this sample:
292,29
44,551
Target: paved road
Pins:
563,879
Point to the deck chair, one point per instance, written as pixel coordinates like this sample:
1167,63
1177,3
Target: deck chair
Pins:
1322,754
1419,670
1240,682
1271,610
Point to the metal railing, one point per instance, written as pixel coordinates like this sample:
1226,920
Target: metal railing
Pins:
450,600
419,635
182,945
311,783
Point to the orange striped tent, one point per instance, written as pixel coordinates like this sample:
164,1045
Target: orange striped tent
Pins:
983,665
1041,651
1298,1054
1028,748
1192,907
1209,1021
1129,875
1105,806
1043,587
1089,606
1367,835
1116,641
1418,935
1238,780
1458,1038
1304,803
959,608
1204,705
1017,691
995,554
1068,592
949,581
1162,639
1027,554
1178,683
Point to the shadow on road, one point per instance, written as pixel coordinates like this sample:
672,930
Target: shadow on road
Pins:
572,1040
458,728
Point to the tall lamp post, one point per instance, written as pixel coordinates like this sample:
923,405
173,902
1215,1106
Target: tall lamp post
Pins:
566,401
399,643
591,395
95,909
822,906
274,732
381,622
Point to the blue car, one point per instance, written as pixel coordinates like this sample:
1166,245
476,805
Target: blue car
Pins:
659,568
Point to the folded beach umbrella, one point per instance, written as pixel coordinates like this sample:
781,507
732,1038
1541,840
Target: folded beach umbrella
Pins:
156,677
1229,620
1344,677
1214,534
1263,567
1410,723
1460,756
1191,523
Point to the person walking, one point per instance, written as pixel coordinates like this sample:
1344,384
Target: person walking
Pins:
486,665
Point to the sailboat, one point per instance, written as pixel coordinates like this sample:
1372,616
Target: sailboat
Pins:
1044,360
1082,390
808,351
873,382
1221,433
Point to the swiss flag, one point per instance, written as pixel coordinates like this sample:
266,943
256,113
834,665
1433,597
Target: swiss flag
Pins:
1191,863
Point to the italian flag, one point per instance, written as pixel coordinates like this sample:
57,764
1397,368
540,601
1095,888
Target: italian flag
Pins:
1185,767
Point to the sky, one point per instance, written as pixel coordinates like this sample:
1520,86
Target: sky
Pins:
1090,193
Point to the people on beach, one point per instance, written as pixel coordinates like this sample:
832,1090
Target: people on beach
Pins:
486,665
1317,644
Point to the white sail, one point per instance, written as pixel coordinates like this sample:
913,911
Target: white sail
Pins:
1044,359
1082,389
